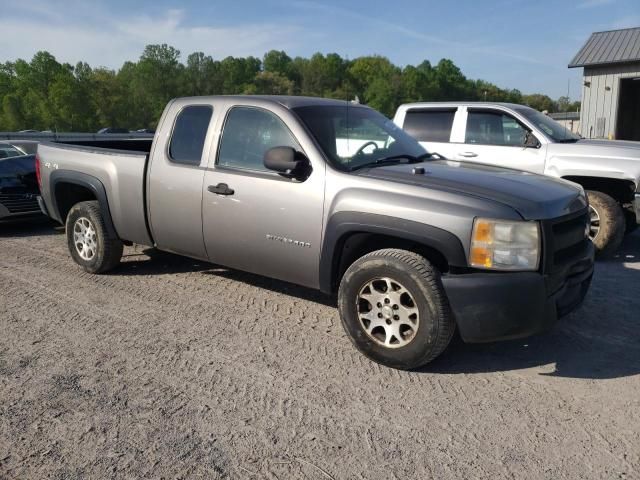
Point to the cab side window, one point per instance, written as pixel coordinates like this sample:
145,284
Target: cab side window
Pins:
248,133
189,133
494,128
430,125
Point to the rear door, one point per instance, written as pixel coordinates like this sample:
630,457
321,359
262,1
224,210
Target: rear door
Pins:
175,177
495,137
433,128
255,219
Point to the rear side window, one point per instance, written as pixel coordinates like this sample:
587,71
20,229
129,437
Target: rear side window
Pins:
189,133
248,133
429,125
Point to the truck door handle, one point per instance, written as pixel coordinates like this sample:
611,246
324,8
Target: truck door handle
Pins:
468,154
221,189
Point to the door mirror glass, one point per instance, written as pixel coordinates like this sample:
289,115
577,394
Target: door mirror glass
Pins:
287,162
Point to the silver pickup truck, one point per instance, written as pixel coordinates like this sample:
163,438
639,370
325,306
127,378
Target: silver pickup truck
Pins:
516,136
333,196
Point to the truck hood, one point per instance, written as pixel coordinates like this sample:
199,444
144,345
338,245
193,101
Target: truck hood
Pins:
608,158
534,197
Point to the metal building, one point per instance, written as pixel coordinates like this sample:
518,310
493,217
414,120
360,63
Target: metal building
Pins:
611,85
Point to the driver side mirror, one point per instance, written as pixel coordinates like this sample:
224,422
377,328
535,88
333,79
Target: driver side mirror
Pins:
530,141
287,162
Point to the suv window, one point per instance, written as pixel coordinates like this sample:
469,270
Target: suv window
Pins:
248,133
494,128
189,133
429,125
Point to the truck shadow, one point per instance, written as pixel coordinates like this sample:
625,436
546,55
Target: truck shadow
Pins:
160,262
600,340
29,227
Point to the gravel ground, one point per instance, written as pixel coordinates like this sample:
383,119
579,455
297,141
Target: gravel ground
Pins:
179,369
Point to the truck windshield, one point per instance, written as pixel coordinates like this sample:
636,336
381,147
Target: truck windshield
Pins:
352,136
552,129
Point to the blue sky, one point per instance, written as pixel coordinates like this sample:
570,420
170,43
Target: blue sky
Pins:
520,44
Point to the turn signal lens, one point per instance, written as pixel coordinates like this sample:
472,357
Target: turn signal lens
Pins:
481,257
505,245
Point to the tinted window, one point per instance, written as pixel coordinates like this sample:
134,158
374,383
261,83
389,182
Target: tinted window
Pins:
7,151
494,128
248,134
553,129
189,133
429,125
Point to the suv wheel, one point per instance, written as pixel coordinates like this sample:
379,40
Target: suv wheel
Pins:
89,244
394,308
607,223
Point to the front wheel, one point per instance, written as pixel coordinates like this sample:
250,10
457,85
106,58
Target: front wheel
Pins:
89,242
394,308
607,223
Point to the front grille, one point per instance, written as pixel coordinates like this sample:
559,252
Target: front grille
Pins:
565,248
569,239
19,202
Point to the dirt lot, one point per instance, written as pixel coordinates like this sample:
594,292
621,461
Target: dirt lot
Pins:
174,368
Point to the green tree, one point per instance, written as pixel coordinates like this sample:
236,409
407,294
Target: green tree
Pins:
279,62
45,94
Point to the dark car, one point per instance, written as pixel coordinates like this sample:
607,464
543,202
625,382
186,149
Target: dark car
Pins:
18,184
7,150
26,147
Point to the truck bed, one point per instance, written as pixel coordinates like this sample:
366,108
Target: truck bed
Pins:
117,167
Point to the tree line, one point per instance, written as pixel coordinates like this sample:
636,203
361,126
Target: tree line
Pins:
44,94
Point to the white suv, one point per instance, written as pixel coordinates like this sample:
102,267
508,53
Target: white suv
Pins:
519,137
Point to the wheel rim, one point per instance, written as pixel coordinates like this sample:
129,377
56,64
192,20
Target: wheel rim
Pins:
594,229
84,238
388,312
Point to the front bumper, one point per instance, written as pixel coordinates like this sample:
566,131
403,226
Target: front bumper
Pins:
636,207
502,306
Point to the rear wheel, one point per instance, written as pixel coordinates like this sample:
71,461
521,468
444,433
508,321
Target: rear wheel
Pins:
607,223
394,308
89,242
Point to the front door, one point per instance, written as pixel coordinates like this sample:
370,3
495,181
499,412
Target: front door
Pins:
493,137
254,219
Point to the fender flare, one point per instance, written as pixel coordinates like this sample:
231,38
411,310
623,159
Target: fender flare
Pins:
89,182
341,224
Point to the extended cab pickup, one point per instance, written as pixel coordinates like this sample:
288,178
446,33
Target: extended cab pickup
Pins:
516,136
333,196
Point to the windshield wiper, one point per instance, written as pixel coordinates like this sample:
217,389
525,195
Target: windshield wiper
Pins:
568,140
393,159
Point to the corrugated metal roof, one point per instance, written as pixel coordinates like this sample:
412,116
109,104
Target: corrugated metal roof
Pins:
615,46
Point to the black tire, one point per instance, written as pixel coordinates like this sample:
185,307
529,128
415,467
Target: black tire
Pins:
612,223
421,280
106,249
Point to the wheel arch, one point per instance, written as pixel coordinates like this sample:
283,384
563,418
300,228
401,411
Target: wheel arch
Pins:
69,188
350,235
619,189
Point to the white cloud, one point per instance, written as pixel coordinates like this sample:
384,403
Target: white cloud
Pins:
389,26
595,3
103,39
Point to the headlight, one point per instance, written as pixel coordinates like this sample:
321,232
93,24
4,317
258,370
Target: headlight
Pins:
505,245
